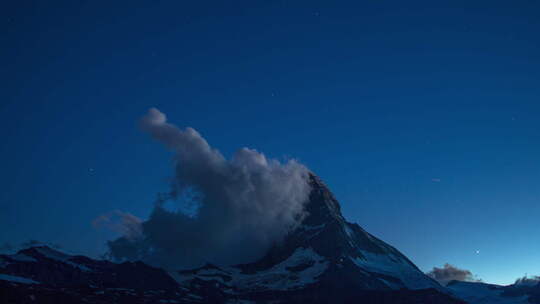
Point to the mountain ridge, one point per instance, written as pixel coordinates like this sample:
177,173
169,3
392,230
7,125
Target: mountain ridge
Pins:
480,292
325,259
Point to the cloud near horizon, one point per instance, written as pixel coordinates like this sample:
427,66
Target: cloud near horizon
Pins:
450,273
242,205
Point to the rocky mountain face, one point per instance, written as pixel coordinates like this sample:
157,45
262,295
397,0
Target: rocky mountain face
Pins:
43,275
323,260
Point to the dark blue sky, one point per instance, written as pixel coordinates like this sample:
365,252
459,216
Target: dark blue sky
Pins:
422,119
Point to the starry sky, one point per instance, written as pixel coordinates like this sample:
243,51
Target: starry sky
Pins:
421,116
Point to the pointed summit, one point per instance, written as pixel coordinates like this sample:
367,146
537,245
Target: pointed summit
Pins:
349,251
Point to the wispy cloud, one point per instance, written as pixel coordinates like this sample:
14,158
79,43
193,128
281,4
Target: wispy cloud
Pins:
244,204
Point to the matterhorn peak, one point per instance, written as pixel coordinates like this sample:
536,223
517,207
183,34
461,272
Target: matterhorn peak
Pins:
324,252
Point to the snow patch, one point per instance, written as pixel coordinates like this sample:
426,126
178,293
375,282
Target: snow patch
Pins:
480,293
350,234
301,268
16,279
282,277
394,266
348,230
61,257
22,258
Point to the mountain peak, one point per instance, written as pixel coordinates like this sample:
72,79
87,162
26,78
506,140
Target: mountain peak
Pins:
322,206
322,250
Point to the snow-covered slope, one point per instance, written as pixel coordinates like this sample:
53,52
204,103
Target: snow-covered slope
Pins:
481,293
303,267
16,279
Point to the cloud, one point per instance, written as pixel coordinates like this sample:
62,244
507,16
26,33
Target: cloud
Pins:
126,224
449,273
242,205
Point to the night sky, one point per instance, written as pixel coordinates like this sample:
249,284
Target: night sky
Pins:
422,119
